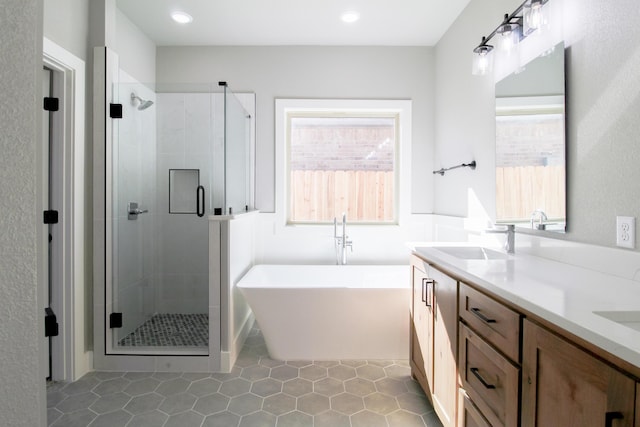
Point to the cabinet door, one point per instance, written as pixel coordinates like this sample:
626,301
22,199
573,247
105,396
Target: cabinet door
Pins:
421,351
445,346
563,385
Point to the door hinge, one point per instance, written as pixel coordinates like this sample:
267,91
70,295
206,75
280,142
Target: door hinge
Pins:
51,104
115,111
50,217
115,320
50,323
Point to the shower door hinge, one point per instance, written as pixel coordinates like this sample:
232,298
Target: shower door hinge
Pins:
51,104
115,111
50,323
115,320
50,217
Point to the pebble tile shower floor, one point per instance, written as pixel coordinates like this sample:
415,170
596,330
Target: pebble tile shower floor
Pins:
191,330
259,392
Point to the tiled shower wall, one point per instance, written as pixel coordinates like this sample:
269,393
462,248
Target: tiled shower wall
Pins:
134,181
187,139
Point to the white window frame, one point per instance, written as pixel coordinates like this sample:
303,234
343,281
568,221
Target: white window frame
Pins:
402,108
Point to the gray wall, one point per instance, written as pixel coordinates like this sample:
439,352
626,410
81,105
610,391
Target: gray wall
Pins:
66,22
603,87
315,72
136,52
22,397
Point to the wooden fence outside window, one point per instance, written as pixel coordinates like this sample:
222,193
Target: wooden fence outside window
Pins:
321,195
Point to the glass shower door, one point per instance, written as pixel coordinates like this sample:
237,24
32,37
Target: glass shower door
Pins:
161,173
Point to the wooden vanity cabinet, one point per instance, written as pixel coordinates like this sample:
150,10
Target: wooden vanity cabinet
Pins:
489,354
482,363
468,414
445,347
434,337
421,338
563,385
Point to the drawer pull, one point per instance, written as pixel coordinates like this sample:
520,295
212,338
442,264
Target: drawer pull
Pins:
475,372
610,416
481,316
425,291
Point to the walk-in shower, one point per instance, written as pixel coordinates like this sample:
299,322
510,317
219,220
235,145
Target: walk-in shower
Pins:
168,169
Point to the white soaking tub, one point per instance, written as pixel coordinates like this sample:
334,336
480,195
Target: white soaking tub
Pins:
331,312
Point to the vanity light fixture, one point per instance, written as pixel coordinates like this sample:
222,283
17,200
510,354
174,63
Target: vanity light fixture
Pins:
181,17
534,16
350,17
510,32
482,58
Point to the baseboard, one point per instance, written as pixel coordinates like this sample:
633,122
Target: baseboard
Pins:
83,365
228,358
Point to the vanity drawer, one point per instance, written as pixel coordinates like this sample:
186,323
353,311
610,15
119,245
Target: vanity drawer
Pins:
496,323
468,414
490,379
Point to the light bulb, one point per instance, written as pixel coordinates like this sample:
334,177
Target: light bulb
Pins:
508,37
534,16
482,60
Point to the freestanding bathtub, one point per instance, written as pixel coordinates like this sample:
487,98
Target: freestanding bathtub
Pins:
331,312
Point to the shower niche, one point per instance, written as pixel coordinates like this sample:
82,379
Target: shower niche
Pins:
186,195
179,154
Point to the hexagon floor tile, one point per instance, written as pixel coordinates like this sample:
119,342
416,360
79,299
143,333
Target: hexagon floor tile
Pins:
259,392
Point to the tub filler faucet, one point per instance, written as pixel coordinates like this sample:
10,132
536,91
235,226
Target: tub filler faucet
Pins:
342,242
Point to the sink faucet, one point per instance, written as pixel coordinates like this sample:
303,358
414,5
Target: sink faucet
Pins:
542,215
342,242
510,242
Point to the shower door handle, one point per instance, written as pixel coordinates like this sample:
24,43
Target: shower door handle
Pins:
133,210
200,201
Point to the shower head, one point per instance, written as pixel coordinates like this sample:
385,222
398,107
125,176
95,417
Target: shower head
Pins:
143,104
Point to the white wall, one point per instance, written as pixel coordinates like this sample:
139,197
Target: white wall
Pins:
22,366
603,99
315,72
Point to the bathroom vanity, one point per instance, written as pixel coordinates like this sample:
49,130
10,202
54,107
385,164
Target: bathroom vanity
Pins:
503,340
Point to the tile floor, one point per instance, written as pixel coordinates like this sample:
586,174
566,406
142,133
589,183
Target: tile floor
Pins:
259,392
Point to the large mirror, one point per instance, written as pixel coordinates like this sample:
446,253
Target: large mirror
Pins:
530,144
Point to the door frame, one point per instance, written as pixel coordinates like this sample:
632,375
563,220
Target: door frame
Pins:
70,358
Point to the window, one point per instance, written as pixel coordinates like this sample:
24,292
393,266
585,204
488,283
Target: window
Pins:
340,158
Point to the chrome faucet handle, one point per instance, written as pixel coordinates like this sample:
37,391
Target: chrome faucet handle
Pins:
133,210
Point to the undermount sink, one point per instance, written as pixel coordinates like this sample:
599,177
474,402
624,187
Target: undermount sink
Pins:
471,252
630,319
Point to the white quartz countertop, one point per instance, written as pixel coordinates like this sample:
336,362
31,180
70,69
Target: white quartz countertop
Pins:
563,294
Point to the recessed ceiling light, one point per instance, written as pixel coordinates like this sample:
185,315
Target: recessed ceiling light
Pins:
350,17
181,17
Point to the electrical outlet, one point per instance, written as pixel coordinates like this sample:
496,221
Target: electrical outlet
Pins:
626,231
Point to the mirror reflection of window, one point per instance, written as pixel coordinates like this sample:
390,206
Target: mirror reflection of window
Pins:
530,159
530,144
